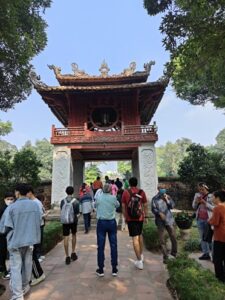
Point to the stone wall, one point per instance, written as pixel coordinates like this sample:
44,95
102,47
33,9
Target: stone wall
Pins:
45,189
180,192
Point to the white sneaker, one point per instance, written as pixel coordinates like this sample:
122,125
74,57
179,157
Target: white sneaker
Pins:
38,280
171,256
26,290
142,257
139,264
42,257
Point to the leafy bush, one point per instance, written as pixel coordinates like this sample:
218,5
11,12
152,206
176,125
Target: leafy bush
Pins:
52,235
192,245
151,237
193,282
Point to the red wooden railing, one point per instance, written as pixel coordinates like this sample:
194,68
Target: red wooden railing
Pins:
125,130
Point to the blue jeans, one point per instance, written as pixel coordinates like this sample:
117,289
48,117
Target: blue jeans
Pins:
104,227
21,269
201,228
87,221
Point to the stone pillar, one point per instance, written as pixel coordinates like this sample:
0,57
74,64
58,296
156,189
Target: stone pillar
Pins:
147,169
135,166
61,173
78,175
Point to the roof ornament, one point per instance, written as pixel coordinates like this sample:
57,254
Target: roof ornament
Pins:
148,66
164,79
57,70
36,79
129,71
104,69
77,72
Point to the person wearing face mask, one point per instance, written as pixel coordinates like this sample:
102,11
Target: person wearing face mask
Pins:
8,199
161,207
203,205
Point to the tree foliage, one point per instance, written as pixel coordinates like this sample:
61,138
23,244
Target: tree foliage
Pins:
124,168
5,128
194,34
21,167
22,36
91,172
169,157
44,152
202,165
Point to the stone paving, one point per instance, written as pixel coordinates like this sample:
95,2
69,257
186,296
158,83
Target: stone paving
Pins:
79,281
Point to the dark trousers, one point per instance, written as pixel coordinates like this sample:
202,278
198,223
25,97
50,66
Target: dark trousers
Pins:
219,259
3,254
38,247
104,227
36,266
172,235
87,221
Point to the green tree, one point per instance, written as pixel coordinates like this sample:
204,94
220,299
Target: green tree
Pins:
25,167
170,155
220,142
22,35
124,168
194,33
44,151
202,165
5,128
91,172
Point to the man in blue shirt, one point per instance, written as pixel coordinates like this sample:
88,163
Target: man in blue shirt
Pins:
106,205
21,223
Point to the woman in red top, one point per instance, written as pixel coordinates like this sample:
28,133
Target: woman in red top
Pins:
218,221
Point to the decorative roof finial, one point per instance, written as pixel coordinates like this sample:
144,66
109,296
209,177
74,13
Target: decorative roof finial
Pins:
57,70
36,79
129,71
148,66
104,69
77,72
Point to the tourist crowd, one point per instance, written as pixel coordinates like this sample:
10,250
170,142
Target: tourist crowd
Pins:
22,221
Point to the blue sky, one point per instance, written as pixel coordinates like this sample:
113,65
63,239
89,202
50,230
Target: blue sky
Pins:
86,32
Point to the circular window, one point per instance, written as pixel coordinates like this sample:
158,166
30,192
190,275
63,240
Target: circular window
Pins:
104,117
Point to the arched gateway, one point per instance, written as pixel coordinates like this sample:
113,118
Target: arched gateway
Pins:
105,117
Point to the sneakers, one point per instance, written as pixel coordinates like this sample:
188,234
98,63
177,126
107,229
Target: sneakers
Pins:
74,256
26,290
114,272
6,276
68,260
139,264
170,256
100,273
142,257
205,257
38,280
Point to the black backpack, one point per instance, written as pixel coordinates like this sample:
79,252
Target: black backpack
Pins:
134,206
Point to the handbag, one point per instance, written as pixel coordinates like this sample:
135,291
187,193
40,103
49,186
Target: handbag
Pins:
208,234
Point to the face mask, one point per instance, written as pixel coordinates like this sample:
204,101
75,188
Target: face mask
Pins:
162,191
8,202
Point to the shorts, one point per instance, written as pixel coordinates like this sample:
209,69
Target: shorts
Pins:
67,228
135,228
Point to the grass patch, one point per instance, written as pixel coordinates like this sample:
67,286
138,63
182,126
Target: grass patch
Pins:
52,235
150,236
192,282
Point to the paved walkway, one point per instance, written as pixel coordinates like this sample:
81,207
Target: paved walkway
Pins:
79,281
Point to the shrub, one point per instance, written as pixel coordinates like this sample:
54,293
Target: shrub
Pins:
150,235
52,235
192,245
193,282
